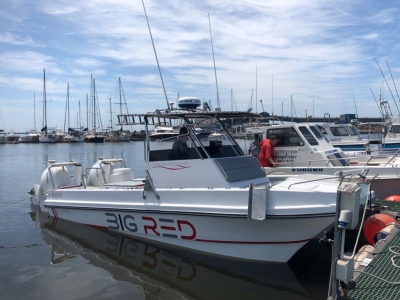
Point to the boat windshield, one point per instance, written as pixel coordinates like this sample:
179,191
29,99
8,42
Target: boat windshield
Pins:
353,130
395,128
339,131
308,135
286,137
192,144
318,134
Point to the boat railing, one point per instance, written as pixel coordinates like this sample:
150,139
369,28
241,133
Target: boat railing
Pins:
338,175
348,161
78,170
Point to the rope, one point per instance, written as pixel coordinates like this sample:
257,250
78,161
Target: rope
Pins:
15,201
27,246
24,199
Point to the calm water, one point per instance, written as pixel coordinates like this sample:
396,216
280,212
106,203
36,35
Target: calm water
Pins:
71,261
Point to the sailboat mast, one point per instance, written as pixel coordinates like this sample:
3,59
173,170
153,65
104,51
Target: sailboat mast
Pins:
34,111
87,111
111,124
120,98
44,101
94,103
68,107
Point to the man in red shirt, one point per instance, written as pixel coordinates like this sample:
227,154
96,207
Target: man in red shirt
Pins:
267,155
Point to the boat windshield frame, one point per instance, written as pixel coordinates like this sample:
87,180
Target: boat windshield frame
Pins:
200,148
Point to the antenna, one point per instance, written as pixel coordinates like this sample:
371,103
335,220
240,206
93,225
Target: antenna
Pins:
215,70
393,80
256,90
380,108
155,53
388,86
345,107
272,94
34,110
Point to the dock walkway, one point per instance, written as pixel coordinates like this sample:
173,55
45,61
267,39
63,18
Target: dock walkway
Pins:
379,278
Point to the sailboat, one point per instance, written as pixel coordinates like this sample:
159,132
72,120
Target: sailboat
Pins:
74,134
45,137
119,135
93,136
32,136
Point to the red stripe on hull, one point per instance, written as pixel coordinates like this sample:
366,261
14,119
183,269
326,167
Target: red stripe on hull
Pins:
252,243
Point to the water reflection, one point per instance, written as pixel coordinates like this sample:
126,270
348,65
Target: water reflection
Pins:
162,274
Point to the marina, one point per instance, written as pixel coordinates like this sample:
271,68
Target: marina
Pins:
298,287
224,191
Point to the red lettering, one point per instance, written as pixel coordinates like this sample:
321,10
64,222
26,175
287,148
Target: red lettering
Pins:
186,237
168,228
150,227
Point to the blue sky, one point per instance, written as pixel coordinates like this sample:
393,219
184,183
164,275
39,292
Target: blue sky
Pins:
317,52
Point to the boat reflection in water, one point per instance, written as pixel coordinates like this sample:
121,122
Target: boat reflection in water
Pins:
161,274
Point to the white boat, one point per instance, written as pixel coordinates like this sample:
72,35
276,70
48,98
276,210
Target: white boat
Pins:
163,131
302,148
217,200
344,136
391,134
11,137
2,139
32,136
163,274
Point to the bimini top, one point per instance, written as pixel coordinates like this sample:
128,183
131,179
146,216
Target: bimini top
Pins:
160,115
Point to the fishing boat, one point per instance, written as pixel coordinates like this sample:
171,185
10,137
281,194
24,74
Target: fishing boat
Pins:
206,196
344,136
302,149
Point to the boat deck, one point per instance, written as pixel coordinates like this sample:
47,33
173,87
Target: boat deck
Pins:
380,279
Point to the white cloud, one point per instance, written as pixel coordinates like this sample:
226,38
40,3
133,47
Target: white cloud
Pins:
315,51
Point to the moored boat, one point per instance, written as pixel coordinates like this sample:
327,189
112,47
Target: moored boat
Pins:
206,196
32,136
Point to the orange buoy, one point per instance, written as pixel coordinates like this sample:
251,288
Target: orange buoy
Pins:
395,198
374,224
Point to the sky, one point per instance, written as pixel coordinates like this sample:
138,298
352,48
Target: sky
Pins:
283,57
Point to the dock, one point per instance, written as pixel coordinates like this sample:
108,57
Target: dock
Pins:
377,269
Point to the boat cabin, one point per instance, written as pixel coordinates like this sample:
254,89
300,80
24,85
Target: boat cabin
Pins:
303,144
344,136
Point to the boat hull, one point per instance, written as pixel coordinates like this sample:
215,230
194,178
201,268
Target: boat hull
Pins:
275,239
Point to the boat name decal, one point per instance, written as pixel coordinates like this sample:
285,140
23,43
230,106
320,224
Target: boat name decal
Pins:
55,195
285,156
331,151
335,140
166,227
307,170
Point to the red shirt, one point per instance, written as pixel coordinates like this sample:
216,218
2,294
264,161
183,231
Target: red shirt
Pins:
267,151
